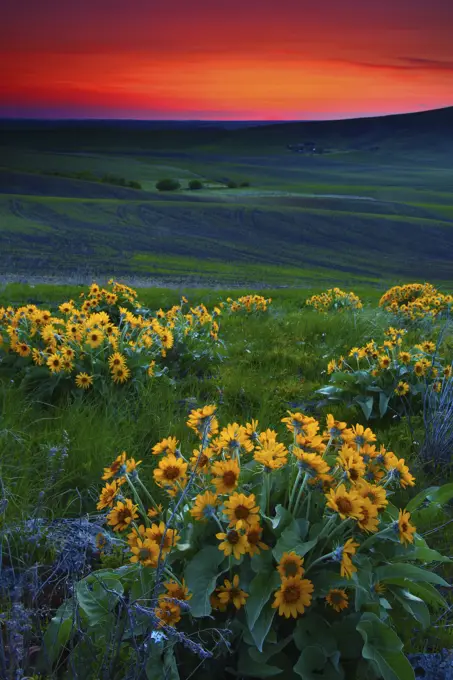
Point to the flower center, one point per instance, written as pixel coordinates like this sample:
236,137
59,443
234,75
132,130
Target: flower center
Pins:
344,504
290,569
229,478
253,537
291,593
241,512
233,537
172,472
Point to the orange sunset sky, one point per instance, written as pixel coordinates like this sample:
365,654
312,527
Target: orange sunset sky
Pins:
194,59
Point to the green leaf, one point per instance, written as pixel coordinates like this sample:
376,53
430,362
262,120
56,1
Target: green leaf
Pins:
384,649
425,554
311,629
417,501
366,404
251,668
314,664
201,577
424,591
270,649
390,572
59,632
348,640
260,590
262,625
282,519
290,541
97,597
262,562
383,403
442,495
414,606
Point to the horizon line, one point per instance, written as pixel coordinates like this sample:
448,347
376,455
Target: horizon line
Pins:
214,120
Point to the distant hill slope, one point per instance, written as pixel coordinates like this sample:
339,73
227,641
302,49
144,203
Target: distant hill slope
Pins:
426,129
376,205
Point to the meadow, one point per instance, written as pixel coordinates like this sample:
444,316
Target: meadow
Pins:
265,359
218,462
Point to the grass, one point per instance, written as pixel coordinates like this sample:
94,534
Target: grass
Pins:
274,360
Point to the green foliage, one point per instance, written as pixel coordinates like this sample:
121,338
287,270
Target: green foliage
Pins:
312,550
195,184
390,378
168,185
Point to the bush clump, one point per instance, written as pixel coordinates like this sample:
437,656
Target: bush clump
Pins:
195,185
334,299
168,185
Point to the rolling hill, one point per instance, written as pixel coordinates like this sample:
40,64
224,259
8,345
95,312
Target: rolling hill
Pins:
372,203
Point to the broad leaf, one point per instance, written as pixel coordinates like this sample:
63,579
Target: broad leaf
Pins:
390,572
366,404
417,501
314,664
442,495
260,590
250,668
290,541
263,625
97,597
425,554
384,649
312,629
201,577
414,606
383,403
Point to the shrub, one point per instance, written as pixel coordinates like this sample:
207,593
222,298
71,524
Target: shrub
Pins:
168,185
232,184
249,303
437,448
416,301
334,299
292,543
133,184
195,184
244,184
106,340
388,376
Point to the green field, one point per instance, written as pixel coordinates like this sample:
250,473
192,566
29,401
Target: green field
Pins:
375,207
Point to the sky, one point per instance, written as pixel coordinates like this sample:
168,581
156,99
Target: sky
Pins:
224,59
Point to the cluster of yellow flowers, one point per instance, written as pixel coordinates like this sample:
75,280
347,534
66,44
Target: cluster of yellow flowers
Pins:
101,334
342,464
416,300
334,299
249,303
419,363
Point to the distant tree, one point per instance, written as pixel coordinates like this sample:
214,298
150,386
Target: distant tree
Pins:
232,184
168,185
244,184
195,184
134,184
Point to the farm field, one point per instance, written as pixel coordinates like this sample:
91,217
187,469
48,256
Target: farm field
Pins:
348,214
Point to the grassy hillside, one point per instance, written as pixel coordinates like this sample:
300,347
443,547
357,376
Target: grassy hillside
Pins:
376,206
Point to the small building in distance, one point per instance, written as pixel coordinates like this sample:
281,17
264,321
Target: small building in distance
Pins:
305,147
